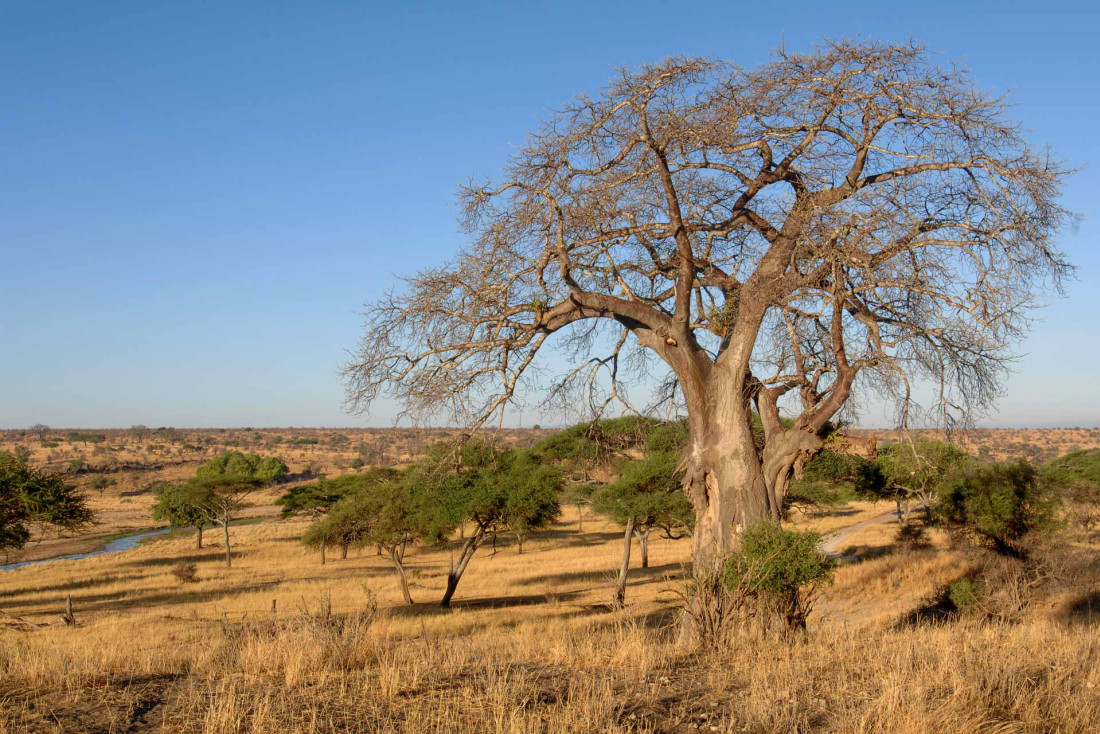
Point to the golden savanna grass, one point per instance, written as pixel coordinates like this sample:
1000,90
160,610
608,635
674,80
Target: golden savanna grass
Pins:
531,645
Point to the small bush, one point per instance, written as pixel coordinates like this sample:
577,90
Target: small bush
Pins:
964,594
782,566
186,573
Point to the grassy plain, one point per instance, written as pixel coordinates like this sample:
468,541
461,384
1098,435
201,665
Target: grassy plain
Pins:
281,644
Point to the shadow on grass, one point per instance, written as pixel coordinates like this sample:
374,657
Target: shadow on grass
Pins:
1084,610
123,601
635,575
432,608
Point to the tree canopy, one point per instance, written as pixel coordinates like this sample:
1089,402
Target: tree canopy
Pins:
495,489
179,506
235,464
774,237
317,497
32,497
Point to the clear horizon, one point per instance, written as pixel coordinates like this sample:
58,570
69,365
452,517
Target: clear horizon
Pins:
196,202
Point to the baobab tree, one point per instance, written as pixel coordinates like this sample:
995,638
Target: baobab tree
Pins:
776,239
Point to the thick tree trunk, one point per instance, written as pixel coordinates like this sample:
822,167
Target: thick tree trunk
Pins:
643,545
725,483
519,543
396,554
228,558
455,574
620,585
731,484
199,537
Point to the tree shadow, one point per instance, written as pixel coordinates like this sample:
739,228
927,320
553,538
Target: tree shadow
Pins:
1085,609
935,610
119,601
570,577
213,554
860,553
432,608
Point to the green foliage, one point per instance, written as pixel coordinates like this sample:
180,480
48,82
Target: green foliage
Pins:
1001,503
31,496
178,505
668,437
318,497
76,466
100,483
576,494
1075,476
492,487
568,445
596,440
829,479
649,491
964,593
777,561
920,468
235,464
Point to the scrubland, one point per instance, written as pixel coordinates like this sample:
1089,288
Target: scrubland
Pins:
280,643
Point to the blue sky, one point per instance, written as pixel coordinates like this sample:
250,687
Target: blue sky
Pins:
197,198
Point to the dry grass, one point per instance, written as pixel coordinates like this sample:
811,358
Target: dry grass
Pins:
530,646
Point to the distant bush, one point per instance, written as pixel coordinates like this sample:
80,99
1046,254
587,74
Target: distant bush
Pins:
186,573
248,466
1075,477
100,483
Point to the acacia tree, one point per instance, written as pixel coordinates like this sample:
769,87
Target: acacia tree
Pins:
317,498
778,237
175,504
396,521
645,497
491,488
917,470
32,497
221,499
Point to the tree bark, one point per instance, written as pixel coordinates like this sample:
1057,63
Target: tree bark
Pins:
455,574
620,585
643,545
344,551
397,553
199,544
323,559
731,484
228,558
519,543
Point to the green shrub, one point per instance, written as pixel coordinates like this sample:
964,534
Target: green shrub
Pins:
964,593
783,566
999,503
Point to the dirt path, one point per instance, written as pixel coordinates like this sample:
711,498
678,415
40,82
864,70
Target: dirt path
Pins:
830,544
